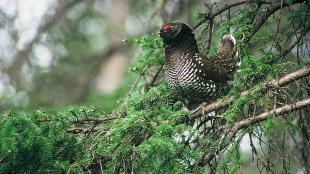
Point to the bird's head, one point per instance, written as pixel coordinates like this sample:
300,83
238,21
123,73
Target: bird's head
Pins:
171,31
229,42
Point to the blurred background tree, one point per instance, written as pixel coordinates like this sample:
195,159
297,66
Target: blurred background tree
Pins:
62,52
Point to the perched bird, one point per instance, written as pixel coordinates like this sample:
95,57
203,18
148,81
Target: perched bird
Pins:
190,74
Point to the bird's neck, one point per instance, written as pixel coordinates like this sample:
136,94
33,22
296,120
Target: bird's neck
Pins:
176,49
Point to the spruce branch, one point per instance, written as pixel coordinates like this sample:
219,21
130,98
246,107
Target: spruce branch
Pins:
211,15
85,120
258,23
78,130
96,120
231,133
271,9
273,84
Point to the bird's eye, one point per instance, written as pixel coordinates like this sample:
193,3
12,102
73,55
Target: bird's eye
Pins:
167,27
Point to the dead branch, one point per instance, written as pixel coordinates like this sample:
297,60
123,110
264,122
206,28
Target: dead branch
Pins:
81,130
85,120
231,133
154,78
276,83
96,120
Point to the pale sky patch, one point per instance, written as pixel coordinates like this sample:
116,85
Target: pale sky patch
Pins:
29,15
8,7
43,55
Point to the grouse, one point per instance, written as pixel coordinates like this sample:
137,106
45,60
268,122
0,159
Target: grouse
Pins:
191,75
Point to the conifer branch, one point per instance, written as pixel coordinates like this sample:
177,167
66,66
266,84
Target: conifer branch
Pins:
85,120
271,10
96,120
231,133
273,84
78,130
211,16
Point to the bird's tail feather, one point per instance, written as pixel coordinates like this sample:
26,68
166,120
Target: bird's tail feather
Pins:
229,42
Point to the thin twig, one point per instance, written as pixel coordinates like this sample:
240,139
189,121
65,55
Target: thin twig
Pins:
269,11
154,78
80,130
227,7
210,34
289,49
95,120
135,84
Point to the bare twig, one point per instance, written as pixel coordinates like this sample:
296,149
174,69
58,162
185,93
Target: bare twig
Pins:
210,34
135,84
209,16
154,78
85,120
289,49
81,130
269,11
96,120
3,158
227,7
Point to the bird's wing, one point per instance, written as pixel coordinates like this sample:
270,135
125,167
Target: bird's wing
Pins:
220,67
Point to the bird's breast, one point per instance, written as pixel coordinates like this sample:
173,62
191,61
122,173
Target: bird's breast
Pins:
186,78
